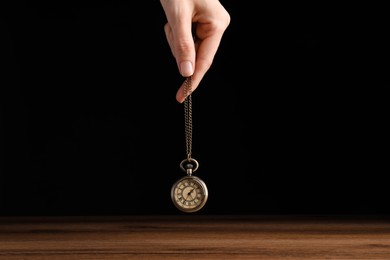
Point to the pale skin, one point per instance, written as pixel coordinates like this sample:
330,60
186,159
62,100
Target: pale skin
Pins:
194,30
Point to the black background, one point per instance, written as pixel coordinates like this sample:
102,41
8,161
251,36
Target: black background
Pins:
287,120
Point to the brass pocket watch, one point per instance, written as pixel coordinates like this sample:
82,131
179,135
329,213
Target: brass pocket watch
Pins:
189,194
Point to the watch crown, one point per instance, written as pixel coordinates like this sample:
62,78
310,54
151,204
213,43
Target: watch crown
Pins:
189,168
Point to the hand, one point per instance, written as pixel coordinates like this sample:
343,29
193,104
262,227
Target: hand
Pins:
194,54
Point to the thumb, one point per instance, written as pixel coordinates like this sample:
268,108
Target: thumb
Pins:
184,49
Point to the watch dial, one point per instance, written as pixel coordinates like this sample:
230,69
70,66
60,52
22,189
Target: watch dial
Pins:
189,194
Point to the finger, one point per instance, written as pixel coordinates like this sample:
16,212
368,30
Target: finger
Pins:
180,97
206,51
182,42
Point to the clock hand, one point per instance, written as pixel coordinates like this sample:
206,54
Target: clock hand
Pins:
189,193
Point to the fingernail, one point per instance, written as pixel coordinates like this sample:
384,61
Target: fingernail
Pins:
186,69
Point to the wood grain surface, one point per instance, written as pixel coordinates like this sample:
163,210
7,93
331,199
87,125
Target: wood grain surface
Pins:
195,237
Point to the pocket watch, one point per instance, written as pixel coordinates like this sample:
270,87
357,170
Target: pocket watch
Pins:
189,193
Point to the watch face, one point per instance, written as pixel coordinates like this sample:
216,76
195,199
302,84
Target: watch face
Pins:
189,194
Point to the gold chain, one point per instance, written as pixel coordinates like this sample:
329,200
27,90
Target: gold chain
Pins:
188,115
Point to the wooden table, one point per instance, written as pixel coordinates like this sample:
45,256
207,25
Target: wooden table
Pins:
195,237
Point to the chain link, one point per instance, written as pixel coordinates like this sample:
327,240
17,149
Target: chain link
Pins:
188,115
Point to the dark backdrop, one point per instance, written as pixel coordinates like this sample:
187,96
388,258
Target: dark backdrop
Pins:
285,122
